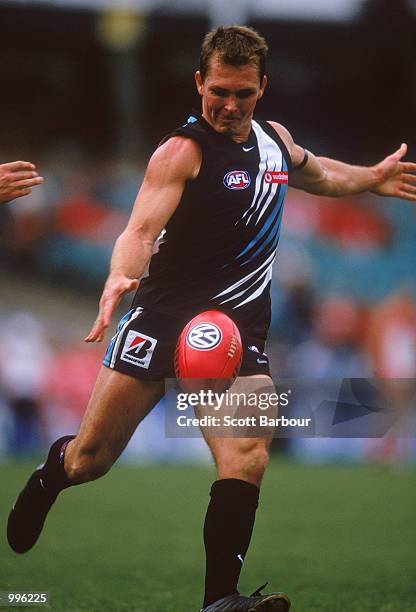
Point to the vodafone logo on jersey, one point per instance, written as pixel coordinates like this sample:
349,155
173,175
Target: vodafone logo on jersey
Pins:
276,177
237,179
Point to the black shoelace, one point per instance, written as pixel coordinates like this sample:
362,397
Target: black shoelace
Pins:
258,593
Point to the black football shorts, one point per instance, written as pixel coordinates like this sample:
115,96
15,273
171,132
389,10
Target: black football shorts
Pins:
144,346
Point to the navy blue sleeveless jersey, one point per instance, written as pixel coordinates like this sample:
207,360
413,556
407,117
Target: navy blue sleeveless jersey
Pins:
219,246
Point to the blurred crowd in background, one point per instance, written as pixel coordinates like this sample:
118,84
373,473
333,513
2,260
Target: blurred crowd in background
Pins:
83,100
343,295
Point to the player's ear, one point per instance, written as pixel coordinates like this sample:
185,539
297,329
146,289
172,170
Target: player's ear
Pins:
263,85
199,82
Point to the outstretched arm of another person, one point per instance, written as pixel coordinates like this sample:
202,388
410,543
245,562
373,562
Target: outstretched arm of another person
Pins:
17,179
329,177
172,164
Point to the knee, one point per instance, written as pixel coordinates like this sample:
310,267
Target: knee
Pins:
86,464
255,461
248,462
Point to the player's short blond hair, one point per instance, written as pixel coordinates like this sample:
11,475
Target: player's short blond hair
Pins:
235,45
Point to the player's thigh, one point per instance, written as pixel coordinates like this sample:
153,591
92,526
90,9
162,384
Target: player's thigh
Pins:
138,360
117,405
243,449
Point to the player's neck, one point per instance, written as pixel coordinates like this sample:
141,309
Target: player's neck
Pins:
240,136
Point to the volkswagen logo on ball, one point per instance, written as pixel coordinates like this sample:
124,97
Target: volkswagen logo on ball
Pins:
204,336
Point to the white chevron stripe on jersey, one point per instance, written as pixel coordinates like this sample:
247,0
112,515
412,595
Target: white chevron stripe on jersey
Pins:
246,278
258,291
268,150
264,166
259,182
273,190
267,273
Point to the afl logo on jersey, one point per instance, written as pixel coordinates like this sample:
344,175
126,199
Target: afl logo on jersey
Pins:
204,336
237,179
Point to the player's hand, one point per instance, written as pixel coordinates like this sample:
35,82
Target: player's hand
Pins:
17,179
396,178
115,287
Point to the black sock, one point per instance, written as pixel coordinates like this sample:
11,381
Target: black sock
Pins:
227,532
54,477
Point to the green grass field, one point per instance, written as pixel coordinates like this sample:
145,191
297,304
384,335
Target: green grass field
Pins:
334,538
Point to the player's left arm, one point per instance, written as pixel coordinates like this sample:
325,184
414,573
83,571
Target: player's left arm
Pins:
330,177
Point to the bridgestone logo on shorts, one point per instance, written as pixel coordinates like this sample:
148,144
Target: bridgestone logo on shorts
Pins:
138,349
204,336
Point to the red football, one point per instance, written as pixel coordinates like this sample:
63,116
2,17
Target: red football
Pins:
208,353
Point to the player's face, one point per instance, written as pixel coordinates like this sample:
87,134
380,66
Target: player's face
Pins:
229,96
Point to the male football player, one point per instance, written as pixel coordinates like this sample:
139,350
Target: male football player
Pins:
216,186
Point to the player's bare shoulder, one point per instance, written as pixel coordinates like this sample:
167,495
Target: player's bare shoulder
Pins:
178,157
296,152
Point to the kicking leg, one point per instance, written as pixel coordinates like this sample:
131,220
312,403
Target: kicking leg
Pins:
117,405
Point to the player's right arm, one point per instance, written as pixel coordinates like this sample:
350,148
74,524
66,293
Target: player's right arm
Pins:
171,165
17,179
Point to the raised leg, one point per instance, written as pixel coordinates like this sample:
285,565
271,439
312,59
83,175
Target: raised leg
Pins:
117,405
